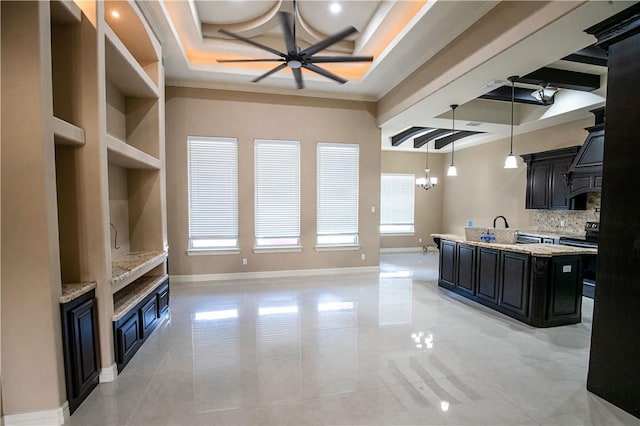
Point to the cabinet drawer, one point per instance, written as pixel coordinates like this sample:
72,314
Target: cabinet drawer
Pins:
128,339
148,315
162,300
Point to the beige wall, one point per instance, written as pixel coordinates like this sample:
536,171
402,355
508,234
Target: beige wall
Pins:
483,189
428,204
248,116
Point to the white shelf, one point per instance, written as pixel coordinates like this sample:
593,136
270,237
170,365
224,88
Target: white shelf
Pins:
132,266
124,71
124,155
65,133
65,12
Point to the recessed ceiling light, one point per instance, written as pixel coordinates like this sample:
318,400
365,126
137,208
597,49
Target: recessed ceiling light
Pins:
335,7
115,14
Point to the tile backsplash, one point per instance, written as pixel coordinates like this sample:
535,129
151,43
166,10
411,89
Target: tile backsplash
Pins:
567,221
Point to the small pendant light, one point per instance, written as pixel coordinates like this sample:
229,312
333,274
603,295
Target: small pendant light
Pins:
452,168
511,162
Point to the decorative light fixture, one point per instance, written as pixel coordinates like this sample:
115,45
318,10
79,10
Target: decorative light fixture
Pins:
545,95
452,168
427,182
511,162
335,7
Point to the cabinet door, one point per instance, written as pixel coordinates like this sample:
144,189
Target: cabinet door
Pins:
447,263
559,195
466,255
163,300
538,186
488,274
84,349
149,315
514,283
128,339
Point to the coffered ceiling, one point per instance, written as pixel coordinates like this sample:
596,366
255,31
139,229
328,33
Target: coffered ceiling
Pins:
427,56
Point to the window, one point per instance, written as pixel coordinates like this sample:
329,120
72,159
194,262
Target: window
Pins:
277,193
213,193
396,203
337,192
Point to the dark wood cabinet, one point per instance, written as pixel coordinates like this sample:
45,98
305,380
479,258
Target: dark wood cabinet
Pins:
162,296
547,184
514,283
80,342
488,274
466,266
128,339
447,263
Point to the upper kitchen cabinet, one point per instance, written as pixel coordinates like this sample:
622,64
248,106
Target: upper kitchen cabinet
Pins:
547,185
585,173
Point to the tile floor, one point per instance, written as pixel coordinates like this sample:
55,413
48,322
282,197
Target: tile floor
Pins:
367,349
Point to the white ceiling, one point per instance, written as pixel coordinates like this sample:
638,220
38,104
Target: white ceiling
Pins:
403,36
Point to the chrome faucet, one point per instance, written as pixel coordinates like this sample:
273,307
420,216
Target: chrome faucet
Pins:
506,224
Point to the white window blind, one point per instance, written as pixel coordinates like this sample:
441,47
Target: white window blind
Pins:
213,192
277,193
397,203
337,193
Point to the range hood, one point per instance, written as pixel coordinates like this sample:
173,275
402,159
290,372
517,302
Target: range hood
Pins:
585,173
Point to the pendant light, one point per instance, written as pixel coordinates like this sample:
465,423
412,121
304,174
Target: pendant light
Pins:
427,182
511,162
452,168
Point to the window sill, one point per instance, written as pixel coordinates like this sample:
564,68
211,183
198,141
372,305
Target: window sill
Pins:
397,234
338,248
283,249
212,252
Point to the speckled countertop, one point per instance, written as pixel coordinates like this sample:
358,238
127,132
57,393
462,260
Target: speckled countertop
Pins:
133,265
72,291
129,297
539,250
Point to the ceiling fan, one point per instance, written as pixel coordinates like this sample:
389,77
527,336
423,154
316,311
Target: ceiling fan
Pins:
296,58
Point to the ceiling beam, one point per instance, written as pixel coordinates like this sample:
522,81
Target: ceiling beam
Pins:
426,138
562,79
521,96
442,142
591,55
405,135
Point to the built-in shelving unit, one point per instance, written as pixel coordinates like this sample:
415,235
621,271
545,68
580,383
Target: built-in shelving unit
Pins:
131,266
65,133
126,299
126,156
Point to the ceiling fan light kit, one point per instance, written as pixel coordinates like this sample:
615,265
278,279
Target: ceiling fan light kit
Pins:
296,58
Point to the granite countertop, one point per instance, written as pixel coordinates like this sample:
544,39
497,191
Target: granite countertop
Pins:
129,297
72,291
539,250
546,234
132,266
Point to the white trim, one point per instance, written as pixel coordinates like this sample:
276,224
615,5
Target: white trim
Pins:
56,417
401,249
283,249
108,374
211,252
337,248
176,279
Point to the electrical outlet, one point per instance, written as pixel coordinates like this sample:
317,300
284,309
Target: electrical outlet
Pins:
363,256
419,240
562,223
373,209
245,261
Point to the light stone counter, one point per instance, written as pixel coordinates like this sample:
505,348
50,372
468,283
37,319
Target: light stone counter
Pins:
72,291
129,297
538,250
132,266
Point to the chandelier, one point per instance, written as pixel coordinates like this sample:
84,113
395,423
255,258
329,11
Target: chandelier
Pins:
427,182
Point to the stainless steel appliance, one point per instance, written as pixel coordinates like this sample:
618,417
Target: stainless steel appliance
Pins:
590,264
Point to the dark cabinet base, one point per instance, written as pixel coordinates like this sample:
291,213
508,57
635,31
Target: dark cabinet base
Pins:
539,291
80,346
134,328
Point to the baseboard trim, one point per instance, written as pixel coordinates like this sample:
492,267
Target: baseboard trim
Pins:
108,374
402,250
55,417
272,274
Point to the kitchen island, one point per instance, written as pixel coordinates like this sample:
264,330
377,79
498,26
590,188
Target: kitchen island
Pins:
538,284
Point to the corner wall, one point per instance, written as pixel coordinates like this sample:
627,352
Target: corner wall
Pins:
484,189
247,116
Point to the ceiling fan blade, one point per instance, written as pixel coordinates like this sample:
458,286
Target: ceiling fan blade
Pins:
251,42
223,61
326,59
321,45
289,40
324,72
298,75
268,73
